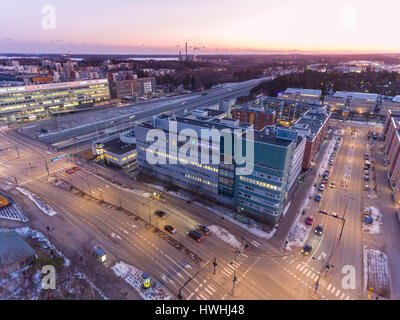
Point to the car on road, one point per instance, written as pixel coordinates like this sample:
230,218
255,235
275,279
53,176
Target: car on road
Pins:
330,162
333,154
161,214
318,230
324,181
366,156
195,235
203,229
75,168
366,172
170,229
367,188
70,171
366,178
318,198
321,187
309,220
306,249
367,211
332,185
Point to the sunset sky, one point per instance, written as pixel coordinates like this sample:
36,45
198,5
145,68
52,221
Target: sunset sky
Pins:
212,26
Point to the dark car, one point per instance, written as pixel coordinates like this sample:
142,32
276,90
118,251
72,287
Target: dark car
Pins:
318,198
318,230
195,235
366,178
203,229
170,229
161,214
324,181
306,250
75,168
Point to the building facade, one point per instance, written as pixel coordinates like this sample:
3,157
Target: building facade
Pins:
35,102
314,126
260,193
132,87
258,117
302,95
352,102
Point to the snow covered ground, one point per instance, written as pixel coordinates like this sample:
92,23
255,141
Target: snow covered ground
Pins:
298,235
133,276
43,206
225,236
376,271
377,219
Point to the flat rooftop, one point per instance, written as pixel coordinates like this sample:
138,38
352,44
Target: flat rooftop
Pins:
116,146
312,122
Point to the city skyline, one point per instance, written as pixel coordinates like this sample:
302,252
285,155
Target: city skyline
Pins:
229,28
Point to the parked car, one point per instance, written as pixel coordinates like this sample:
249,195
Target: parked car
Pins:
366,172
367,188
333,154
330,162
321,187
161,214
332,185
318,198
309,220
324,181
306,249
366,178
170,229
195,235
327,172
367,211
318,230
366,156
203,229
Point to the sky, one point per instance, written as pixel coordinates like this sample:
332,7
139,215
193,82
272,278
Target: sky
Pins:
209,26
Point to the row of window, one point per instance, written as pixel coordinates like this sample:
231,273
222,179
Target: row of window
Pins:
260,183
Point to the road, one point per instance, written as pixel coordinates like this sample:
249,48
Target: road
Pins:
261,273
186,102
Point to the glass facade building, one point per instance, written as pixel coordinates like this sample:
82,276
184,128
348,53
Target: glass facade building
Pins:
35,102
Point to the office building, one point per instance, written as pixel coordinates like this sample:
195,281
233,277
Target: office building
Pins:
261,193
314,126
132,87
392,151
35,102
258,117
389,103
302,95
352,102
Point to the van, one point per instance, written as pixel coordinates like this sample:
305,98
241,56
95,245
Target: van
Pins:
195,235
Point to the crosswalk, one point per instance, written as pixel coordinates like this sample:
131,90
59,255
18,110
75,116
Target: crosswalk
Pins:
207,289
312,274
12,212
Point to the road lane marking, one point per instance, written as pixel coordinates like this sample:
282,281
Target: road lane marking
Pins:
342,296
329,286
225,273
338,292
202,296
211,288
308,273
301,268
298,266
333,290
188,298
208,291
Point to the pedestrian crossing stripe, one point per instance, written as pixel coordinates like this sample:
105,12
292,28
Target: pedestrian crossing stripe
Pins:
208,291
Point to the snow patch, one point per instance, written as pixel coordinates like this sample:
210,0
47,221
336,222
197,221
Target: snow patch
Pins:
225,236
44,207
133,276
